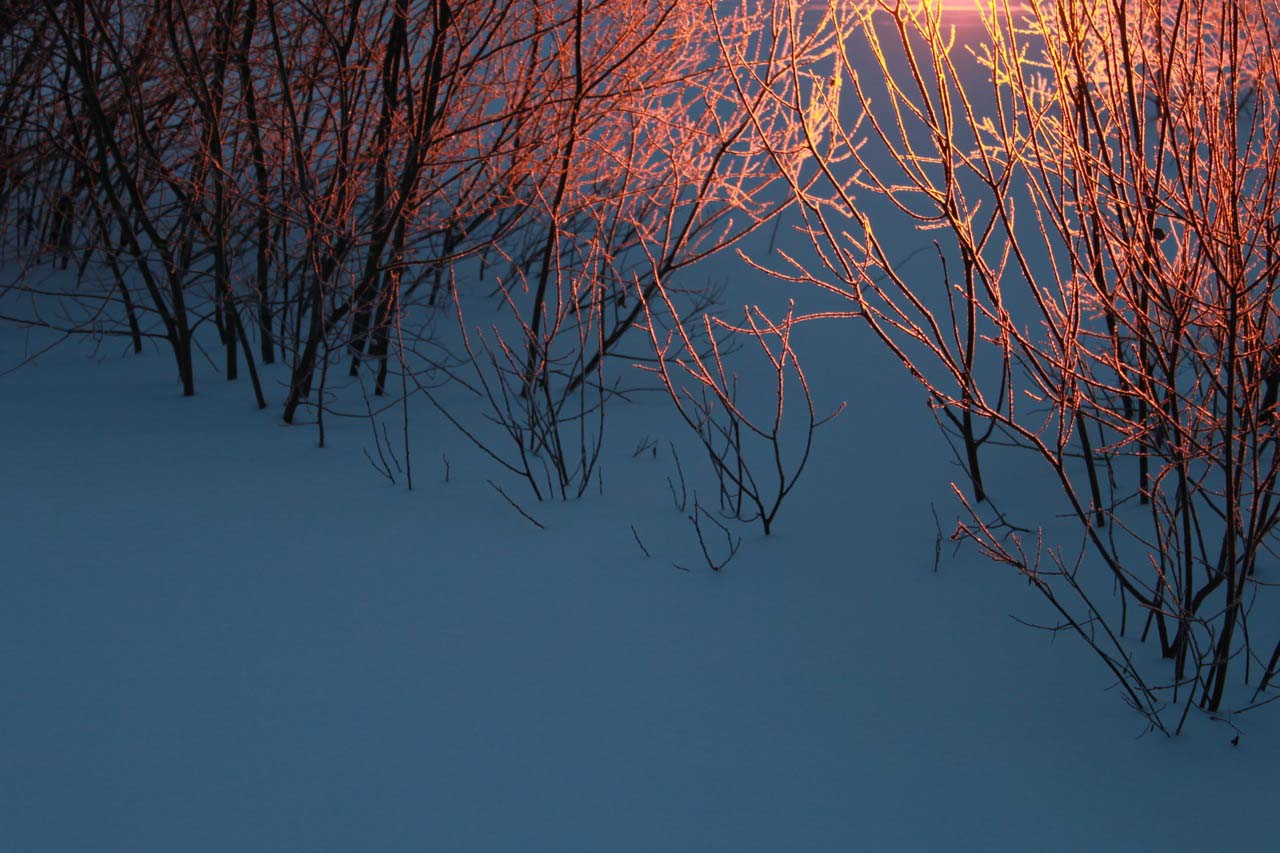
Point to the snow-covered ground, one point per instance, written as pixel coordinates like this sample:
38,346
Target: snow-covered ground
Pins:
215,636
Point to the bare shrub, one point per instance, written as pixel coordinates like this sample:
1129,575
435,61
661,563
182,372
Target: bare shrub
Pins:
646,166
755,465
1102,182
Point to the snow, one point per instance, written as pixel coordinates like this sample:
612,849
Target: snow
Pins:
215,636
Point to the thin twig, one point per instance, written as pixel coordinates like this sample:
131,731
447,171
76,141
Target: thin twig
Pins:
516,506
636,534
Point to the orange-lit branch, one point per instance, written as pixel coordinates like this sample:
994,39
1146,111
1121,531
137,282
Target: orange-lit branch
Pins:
1101,181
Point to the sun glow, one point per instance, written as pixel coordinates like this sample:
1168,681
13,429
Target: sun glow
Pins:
953,8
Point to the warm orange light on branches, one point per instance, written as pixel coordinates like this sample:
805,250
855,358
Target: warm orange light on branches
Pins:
1102,178
327,169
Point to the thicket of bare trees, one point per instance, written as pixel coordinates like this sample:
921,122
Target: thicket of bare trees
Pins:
325,183
1102,184
315,178
648,167
257,164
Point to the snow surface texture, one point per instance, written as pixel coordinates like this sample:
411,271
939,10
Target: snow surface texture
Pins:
214,636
